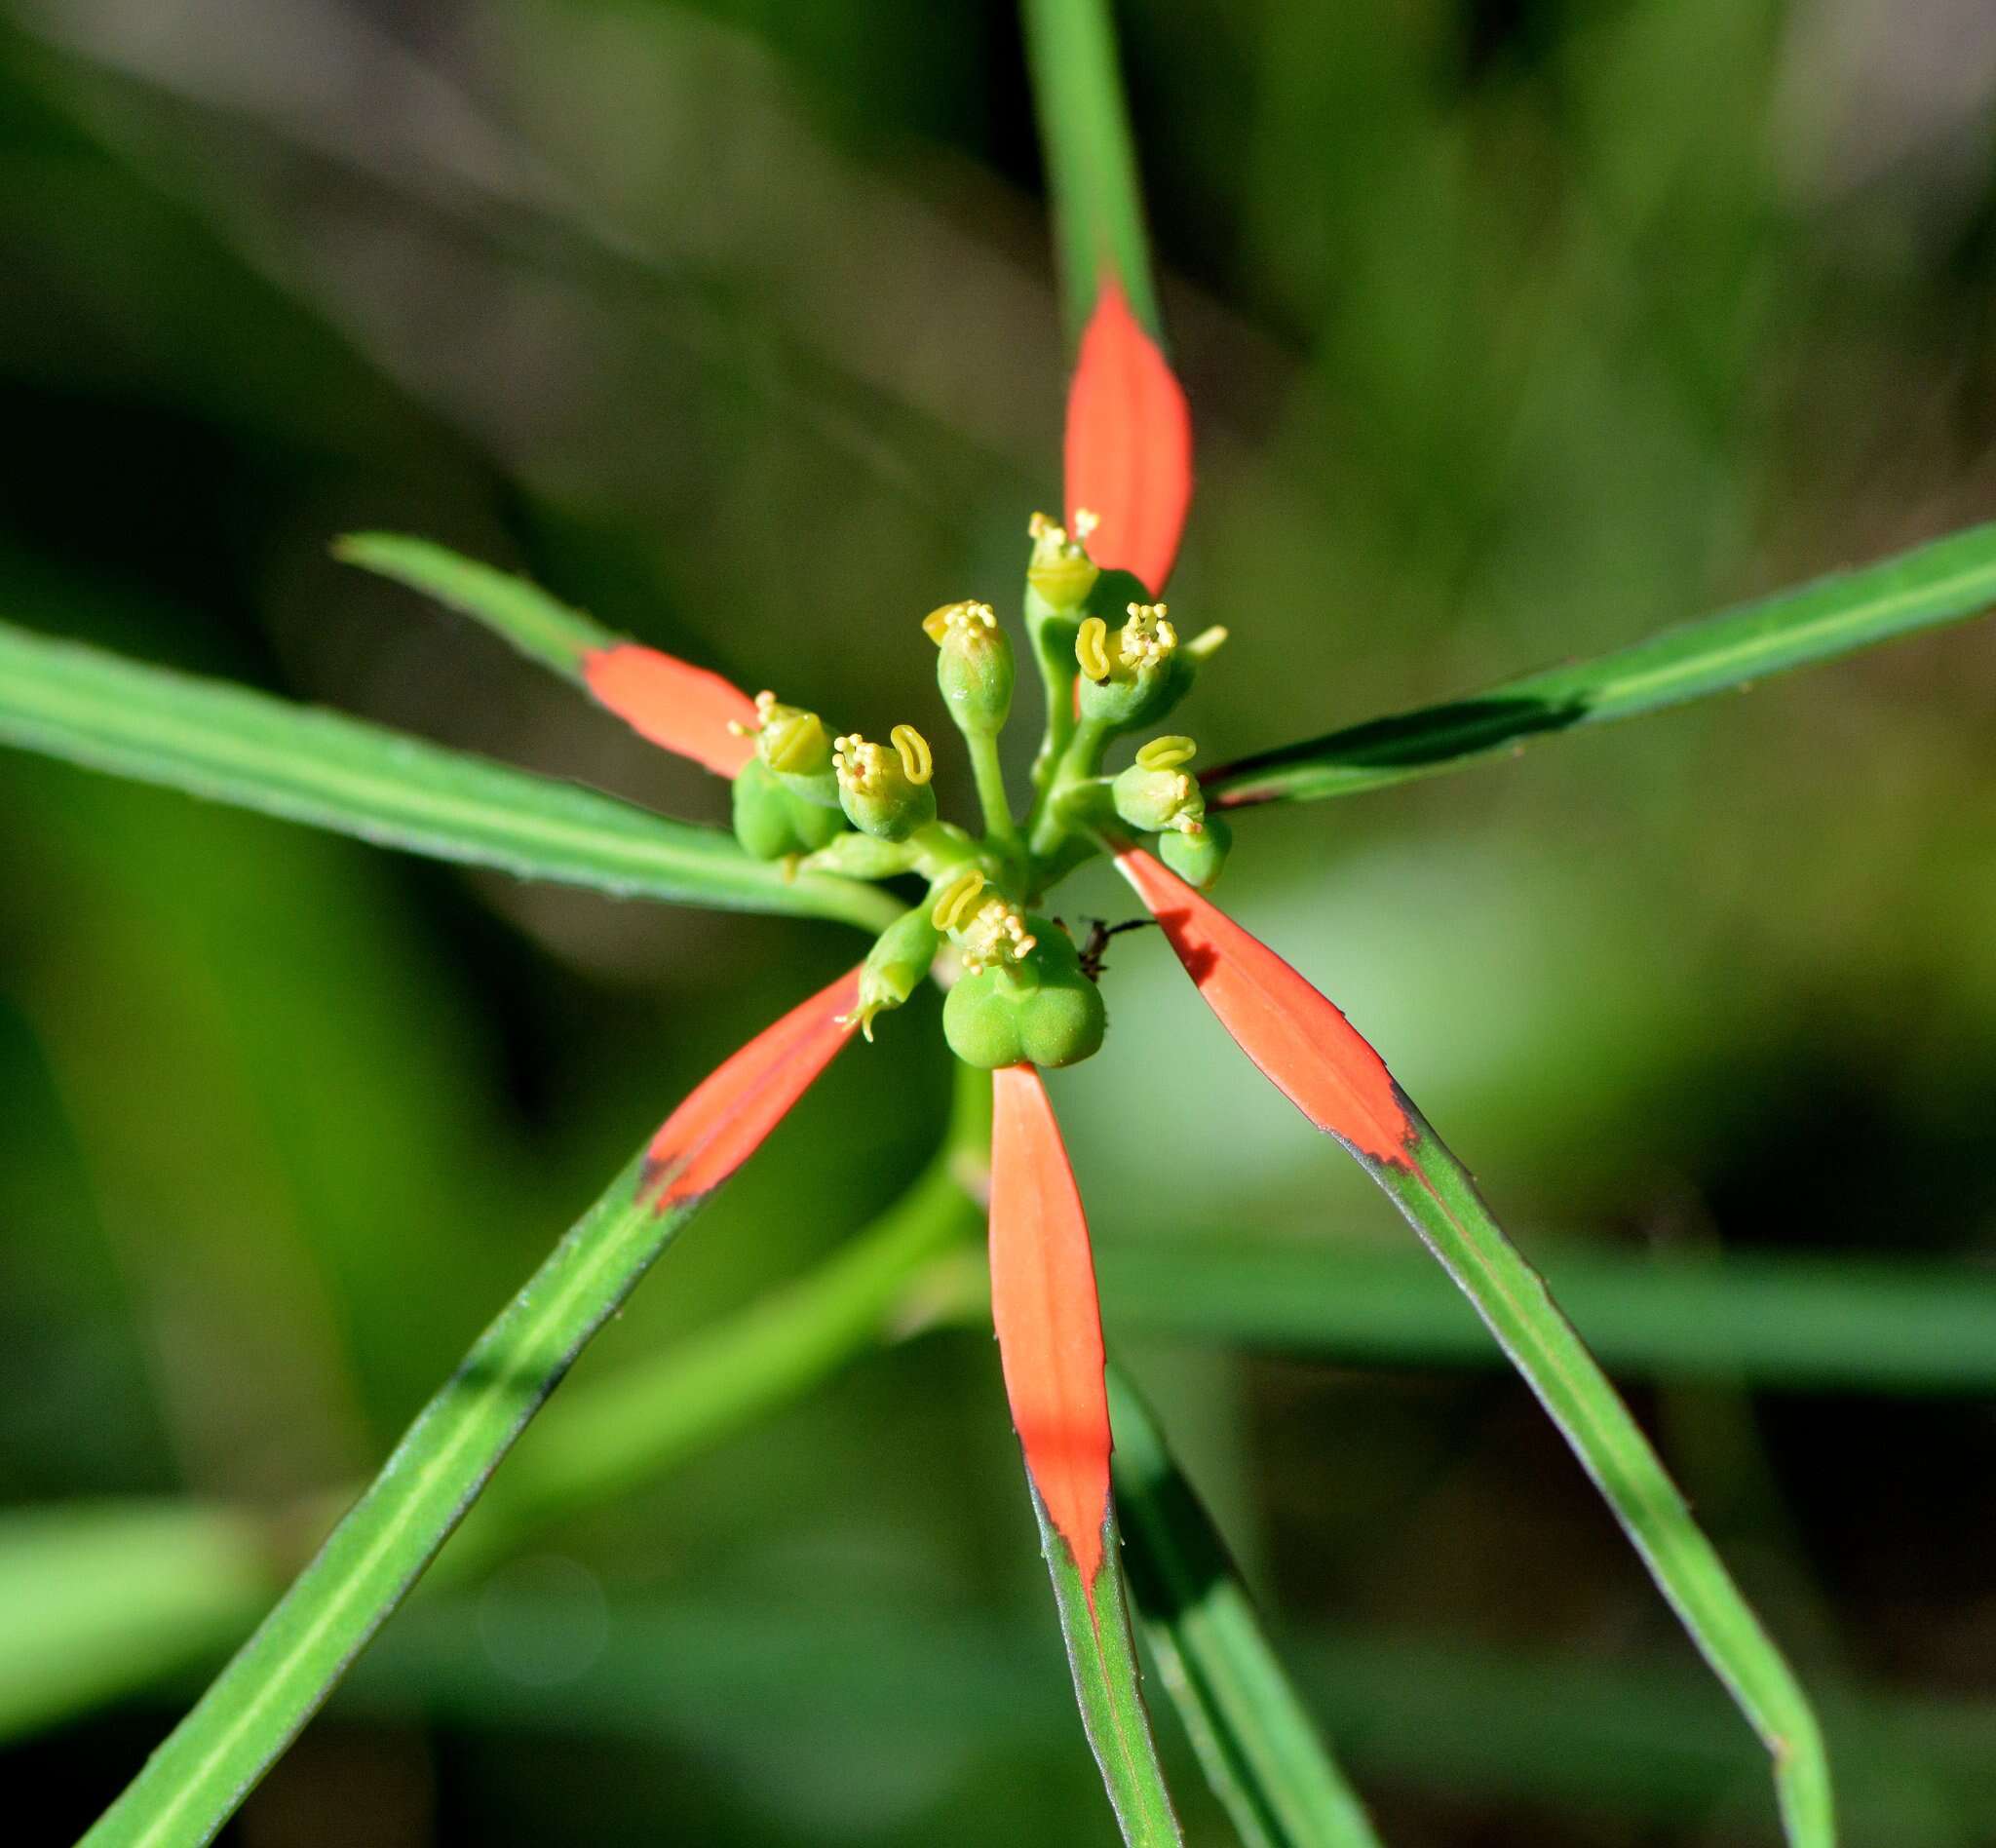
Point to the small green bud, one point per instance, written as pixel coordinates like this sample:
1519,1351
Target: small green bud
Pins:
1155,793
860,857
895,966
885,791
973,668
772,820
1029,1001
1130,676
1061,572
1198,859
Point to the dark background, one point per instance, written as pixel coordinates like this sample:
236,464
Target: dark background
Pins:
1513,331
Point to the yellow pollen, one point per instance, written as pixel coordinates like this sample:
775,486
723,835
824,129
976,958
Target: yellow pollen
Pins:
997,935
1084,522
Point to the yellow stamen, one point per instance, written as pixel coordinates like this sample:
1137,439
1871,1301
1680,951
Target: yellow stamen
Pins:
954,905
916,759
1091,649
1166,753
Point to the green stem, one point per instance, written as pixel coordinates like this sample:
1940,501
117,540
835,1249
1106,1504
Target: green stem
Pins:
1052,638
1079,766
999,827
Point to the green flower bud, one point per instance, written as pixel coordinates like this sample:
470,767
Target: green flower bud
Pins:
885,791
1155,793
973,668
1128,675
772,820
795,745
1023,995
895,966
1198,859
1061,572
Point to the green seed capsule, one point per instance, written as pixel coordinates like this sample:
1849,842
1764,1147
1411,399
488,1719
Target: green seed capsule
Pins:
973,668
772,820
1198,859
1040,1009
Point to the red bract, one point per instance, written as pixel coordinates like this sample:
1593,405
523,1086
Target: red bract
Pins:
1299,1039
688,709
732,1113
1128,444
1045,1309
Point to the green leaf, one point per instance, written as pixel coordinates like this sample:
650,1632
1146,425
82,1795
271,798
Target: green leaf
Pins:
538,624
1435,1192
1091,162
232,744
1262,1754
210,1762
1794,1321
1939,582
1108,1685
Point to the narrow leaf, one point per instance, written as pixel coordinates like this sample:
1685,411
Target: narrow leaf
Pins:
1343,1088
215,1758
1091,175
1050,1343
670,702
1939,582
1262,1753
232,744
1128,444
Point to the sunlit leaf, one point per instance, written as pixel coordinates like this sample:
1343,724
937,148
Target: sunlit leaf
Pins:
1308,1048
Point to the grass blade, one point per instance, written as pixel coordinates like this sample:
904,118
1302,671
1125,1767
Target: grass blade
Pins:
1309,1050
1050,1340
232,744
213,1759
675,705
1262,1753
1939,583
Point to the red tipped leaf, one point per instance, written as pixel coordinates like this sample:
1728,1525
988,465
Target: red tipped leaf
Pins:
1129,443
674,703
1302,1042
1050,1327
1050,1343
730,1116
1311,1052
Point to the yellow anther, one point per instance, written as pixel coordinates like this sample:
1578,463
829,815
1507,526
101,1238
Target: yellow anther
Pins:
1166,753
938,624
765,703
1090,649
957,897
1084,522
995,936
1043,526
916,759
1207,643
857,761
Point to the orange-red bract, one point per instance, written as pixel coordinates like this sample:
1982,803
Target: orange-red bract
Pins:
1050,1327
1129,443
732,1112
685,708
1298,1037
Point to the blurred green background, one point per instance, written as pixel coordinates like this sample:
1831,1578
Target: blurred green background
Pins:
1513,331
